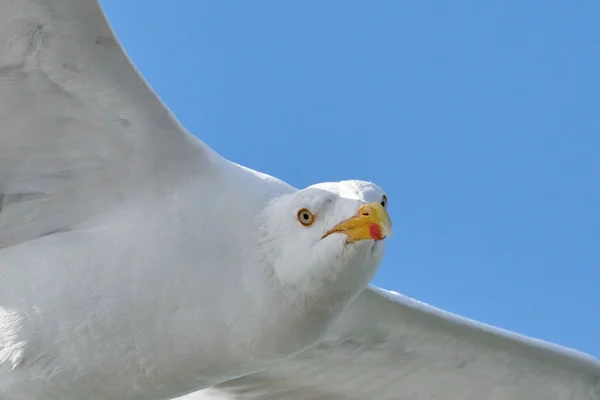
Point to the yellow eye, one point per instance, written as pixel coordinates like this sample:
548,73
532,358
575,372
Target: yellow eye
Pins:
305,217
384,201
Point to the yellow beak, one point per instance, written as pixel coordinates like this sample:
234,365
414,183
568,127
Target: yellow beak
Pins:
372,221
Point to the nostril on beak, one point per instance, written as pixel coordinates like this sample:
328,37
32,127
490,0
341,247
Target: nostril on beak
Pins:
366,214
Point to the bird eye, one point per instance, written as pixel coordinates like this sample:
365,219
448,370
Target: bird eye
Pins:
384,201
305,217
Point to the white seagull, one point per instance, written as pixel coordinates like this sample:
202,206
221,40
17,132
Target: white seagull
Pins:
136,263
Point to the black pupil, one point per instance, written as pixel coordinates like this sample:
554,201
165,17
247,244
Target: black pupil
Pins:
305,216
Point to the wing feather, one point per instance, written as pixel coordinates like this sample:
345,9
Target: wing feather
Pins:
80,129
390,347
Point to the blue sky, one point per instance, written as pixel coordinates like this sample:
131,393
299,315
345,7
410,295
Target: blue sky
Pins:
480,119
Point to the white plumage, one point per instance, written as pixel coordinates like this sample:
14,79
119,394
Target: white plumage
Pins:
136,263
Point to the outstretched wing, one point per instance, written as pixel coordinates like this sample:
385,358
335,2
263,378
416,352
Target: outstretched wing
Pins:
80,130
390,347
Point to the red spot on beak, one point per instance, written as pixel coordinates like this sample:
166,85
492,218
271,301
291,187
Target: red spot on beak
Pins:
375,231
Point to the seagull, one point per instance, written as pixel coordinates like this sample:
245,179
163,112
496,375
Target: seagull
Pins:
136,263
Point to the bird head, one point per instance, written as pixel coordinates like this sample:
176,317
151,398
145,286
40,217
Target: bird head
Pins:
326,240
